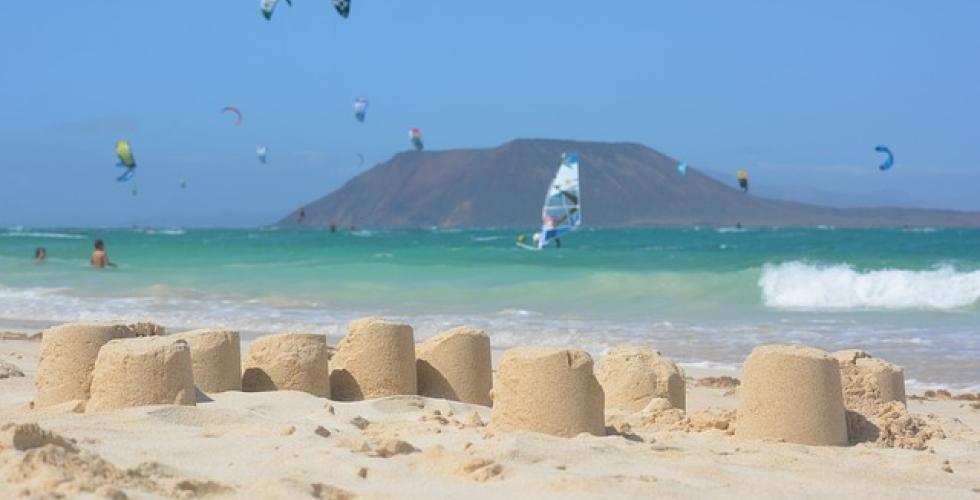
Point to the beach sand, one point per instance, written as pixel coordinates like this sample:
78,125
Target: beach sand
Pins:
296,445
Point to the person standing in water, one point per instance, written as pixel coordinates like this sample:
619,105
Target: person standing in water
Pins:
39,255
99,258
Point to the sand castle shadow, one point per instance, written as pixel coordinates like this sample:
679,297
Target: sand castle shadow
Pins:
435,382
860,429
200,397
257,380
344,386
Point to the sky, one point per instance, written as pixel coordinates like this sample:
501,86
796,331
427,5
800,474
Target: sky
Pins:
797,93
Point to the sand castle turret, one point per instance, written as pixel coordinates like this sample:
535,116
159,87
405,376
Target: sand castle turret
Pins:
867,379
456,365
288,362
217,359
792,393
548,390
632,376
142,371
68,354
375,359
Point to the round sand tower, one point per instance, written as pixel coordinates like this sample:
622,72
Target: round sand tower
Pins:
288,362
632,376
142,371
792,393
869,380
547,390
68,354
217,359
375,359
455,365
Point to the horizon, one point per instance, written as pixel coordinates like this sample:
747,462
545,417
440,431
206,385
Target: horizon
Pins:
764,87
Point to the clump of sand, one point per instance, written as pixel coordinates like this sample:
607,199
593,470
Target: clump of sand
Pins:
874,395
632,376
20,336
147,329
890,425
945,395
43,464
659,416
8,370
723,382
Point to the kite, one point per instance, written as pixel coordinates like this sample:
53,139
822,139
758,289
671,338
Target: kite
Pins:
743,180
360,109
416,136
343,7
268,6
238,113
125,153
887,164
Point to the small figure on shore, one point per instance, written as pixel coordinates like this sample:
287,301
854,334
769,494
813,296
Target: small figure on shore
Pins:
99,258
40,255
302,215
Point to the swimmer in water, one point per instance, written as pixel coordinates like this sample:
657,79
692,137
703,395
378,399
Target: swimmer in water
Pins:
99,258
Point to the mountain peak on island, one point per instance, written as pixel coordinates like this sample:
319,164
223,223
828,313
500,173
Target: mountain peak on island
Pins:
622,185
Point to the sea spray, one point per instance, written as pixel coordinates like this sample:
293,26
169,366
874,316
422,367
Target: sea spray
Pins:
841,286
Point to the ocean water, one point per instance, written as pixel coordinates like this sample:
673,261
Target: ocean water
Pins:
703,296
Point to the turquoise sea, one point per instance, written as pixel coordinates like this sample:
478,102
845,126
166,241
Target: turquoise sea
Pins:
703,296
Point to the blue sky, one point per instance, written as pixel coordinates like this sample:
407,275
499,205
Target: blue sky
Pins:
797,93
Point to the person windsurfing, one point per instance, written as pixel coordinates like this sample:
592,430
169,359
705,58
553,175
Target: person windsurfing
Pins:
562,210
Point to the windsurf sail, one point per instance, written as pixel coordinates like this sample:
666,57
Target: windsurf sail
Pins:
562,212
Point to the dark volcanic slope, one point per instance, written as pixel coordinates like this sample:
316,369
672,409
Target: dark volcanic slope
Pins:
622,185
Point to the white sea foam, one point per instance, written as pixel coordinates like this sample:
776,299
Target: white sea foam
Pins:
808,286
37,234
163,231
486,238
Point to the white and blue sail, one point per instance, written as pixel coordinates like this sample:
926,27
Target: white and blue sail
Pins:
562,212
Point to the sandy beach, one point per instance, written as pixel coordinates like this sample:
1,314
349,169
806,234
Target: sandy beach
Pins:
291,444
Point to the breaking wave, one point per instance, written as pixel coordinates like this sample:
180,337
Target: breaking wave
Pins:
841,286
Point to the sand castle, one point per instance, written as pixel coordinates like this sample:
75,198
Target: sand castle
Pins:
375,359
866,378
455,365
288,362
216,358
632,376
792,393
548,390
142,371
68,354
